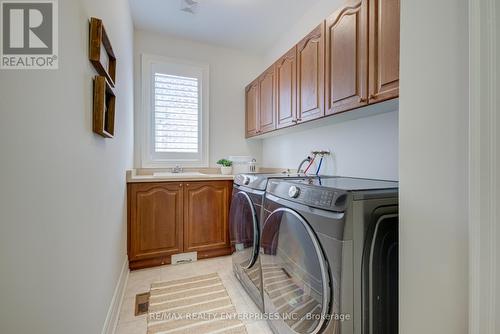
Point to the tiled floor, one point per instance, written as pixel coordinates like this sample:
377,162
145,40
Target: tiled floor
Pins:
139,281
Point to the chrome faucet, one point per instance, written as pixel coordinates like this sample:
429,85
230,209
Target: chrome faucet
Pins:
177,169
308,159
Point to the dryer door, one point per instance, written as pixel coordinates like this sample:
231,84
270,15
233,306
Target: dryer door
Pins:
381,279
295,274
244,230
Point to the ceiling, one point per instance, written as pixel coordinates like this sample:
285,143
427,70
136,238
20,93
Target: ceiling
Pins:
250,25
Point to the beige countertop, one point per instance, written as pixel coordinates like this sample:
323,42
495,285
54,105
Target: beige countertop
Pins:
137,176
189,174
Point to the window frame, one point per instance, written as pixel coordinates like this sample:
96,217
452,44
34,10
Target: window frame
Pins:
150,158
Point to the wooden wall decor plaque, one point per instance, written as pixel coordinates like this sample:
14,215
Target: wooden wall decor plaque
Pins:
104,108
101,53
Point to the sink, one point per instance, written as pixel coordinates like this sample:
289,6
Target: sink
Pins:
178,175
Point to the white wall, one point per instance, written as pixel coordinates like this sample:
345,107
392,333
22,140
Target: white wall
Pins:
62,193
309,20
433,124
484,167
230,72
366,147
496,165
496,176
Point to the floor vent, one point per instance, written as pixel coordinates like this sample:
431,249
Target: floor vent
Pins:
141,303
184,258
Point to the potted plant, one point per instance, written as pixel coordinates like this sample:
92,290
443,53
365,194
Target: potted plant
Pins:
225,166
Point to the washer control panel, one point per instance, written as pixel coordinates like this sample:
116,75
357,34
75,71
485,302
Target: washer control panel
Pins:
313,196
316,197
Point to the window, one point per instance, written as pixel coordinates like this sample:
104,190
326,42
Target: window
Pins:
176,113
175,118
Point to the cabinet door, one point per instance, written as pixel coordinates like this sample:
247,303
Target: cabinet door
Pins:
311,75
384,50
286,79
266,101
155,222
346,57
252,112
206,211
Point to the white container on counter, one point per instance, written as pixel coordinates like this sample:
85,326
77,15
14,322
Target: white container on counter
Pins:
242,164
226,170
253,166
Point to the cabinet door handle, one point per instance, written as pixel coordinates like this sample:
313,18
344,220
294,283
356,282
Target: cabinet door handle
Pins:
180,185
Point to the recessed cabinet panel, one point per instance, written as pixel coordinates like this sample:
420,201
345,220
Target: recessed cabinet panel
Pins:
286,79
343,58
156,228
252,112
266,101
206,206
309,86
346,40
310,75
384,50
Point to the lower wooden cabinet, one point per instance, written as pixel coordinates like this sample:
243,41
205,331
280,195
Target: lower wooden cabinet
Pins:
206,207
155,220
167,218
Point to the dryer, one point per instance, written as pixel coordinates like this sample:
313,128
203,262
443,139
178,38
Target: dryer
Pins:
245,227
329,256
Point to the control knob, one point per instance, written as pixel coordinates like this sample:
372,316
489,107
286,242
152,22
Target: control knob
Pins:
246,180
294,192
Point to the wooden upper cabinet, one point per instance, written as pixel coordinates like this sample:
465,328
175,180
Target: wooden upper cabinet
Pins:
266,101
286,94
311,75
252,109
346,57
384,50
156,220
206,208
348,61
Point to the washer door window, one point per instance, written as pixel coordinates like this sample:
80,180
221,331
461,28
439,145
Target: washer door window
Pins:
244,228
294,271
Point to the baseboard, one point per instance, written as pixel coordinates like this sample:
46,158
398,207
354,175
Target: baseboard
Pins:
162,260
116,303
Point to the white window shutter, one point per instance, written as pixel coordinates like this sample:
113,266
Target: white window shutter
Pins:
176,114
